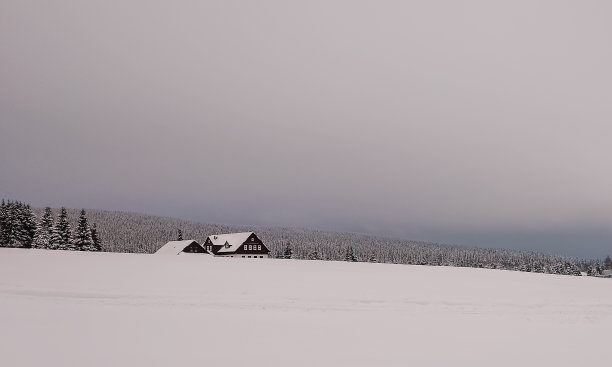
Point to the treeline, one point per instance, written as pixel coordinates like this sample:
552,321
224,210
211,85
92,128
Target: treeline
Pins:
446,255
141,233
20,227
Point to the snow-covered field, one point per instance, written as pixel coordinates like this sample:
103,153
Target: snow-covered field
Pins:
101,309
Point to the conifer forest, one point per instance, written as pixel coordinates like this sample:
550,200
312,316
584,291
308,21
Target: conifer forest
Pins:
116,231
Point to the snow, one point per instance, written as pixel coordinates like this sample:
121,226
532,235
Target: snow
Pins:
174,247
100,309
233,239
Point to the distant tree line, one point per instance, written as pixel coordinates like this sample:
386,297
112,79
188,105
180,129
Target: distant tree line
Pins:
20,227
447,255
141,233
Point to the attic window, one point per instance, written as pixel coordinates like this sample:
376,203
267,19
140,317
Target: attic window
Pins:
252,239
227,245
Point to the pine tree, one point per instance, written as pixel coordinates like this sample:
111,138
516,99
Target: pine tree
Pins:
349,255
314,255
28,225
63,231
3,211
372,259
18,225
97,244
288,252
538,267
179,237
54,238
42,237
47,219
10,222
20,228
608,263
594,270
82,236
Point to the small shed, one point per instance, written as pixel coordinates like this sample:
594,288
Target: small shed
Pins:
180,247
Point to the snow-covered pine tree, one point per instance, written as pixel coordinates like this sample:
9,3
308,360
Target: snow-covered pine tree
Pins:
82,236
372,258
42,237
54,238
47,219
2,223
9,225
594,270
288,252
314,255
179,236
608,263
350,255
63,231
95,237
29,225
538,267
572,269
17,234
19,225
20,230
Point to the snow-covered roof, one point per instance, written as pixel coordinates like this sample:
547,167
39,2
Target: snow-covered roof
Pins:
174,247
234,240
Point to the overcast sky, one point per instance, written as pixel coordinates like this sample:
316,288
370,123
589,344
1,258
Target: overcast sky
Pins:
485,122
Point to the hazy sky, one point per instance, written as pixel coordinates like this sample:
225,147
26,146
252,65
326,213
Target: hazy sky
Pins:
473,122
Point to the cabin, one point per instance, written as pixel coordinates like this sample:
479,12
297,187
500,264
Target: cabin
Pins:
243,245
181,247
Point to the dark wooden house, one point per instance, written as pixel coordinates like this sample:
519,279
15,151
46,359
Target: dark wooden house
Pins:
243,245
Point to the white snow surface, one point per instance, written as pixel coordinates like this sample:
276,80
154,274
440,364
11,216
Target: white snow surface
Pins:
233,239
100,309
174,247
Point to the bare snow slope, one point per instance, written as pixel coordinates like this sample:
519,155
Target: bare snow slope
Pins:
102,309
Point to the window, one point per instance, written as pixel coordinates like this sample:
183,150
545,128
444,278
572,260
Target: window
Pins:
249,257
250,247
242,255
259,247
261,257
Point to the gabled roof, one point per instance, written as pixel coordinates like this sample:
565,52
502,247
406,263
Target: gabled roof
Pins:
234,240
174,247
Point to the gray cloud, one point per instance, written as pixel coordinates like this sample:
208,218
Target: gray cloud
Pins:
412,118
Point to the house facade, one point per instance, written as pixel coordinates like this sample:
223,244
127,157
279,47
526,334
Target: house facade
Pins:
242,245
